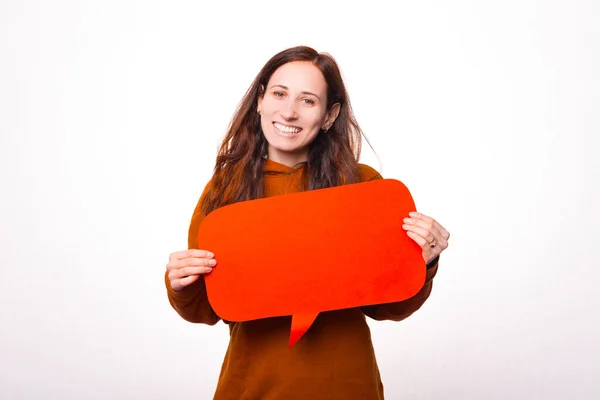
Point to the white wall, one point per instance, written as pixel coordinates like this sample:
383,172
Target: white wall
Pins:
110,114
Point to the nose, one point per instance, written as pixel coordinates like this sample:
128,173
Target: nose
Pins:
289,111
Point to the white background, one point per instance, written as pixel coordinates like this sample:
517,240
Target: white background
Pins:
110,117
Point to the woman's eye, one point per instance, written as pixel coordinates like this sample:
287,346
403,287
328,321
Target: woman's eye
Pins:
309,101
278,94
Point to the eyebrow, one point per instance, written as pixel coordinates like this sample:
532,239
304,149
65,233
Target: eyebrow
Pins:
286,88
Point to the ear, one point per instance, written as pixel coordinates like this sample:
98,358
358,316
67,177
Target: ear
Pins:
332,114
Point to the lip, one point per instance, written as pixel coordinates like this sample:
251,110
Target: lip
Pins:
286,134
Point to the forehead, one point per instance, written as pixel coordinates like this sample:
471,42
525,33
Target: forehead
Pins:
301,76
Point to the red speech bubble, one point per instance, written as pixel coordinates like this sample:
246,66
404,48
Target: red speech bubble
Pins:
308,252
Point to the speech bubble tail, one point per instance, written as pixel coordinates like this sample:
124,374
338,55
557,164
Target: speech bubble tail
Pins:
300,324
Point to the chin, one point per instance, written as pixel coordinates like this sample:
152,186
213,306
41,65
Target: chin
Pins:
282,143
286,149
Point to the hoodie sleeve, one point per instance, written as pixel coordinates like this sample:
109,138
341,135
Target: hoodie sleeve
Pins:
191,303
403,309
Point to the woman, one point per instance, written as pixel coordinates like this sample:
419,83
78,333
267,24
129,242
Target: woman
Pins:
294,130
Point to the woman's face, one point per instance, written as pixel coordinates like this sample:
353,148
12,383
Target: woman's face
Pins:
293,110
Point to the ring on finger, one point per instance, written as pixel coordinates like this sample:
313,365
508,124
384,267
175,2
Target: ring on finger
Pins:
432,242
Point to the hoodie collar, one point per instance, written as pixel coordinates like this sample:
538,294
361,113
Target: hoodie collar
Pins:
274,167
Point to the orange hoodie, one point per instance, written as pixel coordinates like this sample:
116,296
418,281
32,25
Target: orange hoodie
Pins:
333,360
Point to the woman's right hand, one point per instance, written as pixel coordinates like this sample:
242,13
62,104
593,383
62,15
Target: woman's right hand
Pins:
185,267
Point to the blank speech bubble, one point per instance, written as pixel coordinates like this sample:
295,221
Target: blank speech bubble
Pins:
304,253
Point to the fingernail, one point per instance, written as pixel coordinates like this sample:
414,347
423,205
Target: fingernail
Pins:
406,219
212,262
405,226
209,254
412,213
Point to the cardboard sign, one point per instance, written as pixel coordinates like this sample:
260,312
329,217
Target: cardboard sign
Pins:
308,252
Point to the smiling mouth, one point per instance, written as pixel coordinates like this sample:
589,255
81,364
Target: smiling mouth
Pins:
286,130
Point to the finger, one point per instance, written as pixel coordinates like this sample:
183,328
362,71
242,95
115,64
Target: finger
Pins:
180,255
426,227
188,271
426,234
424,219
437,241
191,262
429,253
445,234
419,239
198,262
421,220
420,216
179,284
433,237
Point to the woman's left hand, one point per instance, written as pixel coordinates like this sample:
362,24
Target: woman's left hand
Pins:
428,233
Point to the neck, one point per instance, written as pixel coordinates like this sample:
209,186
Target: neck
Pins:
288,159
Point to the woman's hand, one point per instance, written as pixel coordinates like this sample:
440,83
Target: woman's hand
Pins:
185,267
428,233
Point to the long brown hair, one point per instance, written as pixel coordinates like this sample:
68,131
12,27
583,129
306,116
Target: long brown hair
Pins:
332,158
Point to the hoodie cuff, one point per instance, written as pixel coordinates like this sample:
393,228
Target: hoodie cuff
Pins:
433,262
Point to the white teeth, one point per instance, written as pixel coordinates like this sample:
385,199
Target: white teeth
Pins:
286,129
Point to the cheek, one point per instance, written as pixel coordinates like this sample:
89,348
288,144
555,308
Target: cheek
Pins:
315,117
268,106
